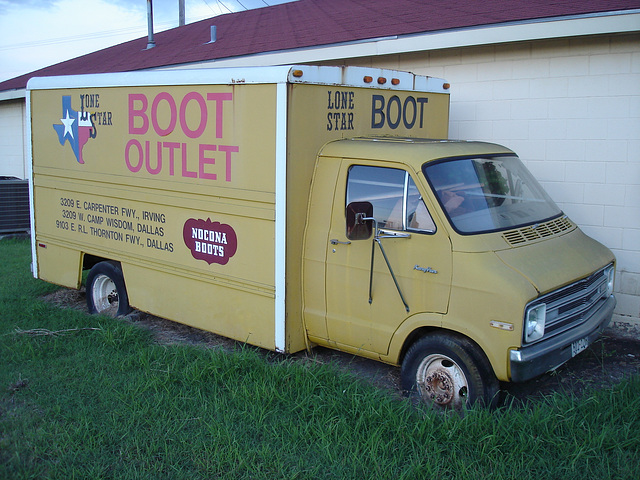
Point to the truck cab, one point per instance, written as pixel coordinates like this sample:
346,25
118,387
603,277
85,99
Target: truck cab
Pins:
449,259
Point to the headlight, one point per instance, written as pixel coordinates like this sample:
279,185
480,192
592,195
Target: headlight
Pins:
610,273
534,322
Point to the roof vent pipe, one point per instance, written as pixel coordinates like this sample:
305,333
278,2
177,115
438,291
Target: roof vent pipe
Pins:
214,34
151,42
180,13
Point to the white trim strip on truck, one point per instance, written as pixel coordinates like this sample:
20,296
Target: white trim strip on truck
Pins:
34,258
214,76
345,76
281,218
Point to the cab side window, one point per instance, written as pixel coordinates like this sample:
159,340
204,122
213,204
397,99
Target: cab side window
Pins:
397,204
418,217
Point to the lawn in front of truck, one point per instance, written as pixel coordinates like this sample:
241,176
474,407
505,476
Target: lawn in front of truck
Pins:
93,397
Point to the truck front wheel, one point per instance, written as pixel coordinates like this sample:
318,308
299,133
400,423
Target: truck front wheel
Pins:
106,293
448,372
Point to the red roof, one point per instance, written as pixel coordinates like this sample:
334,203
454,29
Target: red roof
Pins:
308,23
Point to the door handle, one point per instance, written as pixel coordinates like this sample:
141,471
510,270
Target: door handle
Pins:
384,233
335,241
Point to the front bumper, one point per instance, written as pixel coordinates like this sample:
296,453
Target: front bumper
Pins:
531,361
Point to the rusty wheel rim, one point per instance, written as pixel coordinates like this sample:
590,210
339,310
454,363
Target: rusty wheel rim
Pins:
442,382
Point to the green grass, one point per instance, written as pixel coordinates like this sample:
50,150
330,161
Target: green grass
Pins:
104,401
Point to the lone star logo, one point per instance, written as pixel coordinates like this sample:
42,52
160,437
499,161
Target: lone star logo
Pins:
76,128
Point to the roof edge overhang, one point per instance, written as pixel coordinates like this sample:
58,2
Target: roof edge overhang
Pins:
627,21
17,94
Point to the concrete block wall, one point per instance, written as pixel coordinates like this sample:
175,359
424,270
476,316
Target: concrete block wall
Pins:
570,108
13,162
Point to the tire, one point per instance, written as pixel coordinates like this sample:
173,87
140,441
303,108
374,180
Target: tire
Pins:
449,372
106,292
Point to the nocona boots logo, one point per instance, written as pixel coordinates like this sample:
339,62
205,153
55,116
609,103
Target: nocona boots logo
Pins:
213,242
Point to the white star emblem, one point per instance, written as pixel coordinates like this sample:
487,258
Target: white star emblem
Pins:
68,122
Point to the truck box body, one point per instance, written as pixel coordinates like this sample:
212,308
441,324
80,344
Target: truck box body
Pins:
198,182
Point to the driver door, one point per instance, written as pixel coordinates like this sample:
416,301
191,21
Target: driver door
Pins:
360,318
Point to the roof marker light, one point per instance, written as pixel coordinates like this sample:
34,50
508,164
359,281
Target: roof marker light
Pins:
395,81
297,73
446,86
382,80
367,79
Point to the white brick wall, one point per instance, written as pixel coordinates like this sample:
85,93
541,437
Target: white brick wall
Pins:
571,109
12,153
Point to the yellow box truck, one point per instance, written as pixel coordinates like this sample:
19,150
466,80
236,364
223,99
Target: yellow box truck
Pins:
288,207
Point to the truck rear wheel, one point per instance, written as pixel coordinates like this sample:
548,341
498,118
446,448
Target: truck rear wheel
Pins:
106,292
448,372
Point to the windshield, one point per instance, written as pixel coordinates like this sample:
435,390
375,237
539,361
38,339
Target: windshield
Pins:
487,194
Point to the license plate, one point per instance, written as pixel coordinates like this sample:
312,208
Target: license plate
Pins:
578,346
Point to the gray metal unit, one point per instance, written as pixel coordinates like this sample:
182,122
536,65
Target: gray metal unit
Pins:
14,205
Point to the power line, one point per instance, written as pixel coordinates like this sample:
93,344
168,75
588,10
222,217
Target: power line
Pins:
59,40
219,2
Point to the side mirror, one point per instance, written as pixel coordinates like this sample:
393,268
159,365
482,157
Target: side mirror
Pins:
359,220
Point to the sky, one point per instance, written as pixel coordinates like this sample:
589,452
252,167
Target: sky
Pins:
38,33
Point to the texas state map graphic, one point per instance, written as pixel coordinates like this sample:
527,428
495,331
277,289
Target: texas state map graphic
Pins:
76,128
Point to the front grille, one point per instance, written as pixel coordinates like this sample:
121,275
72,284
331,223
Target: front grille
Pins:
572,305
531,233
